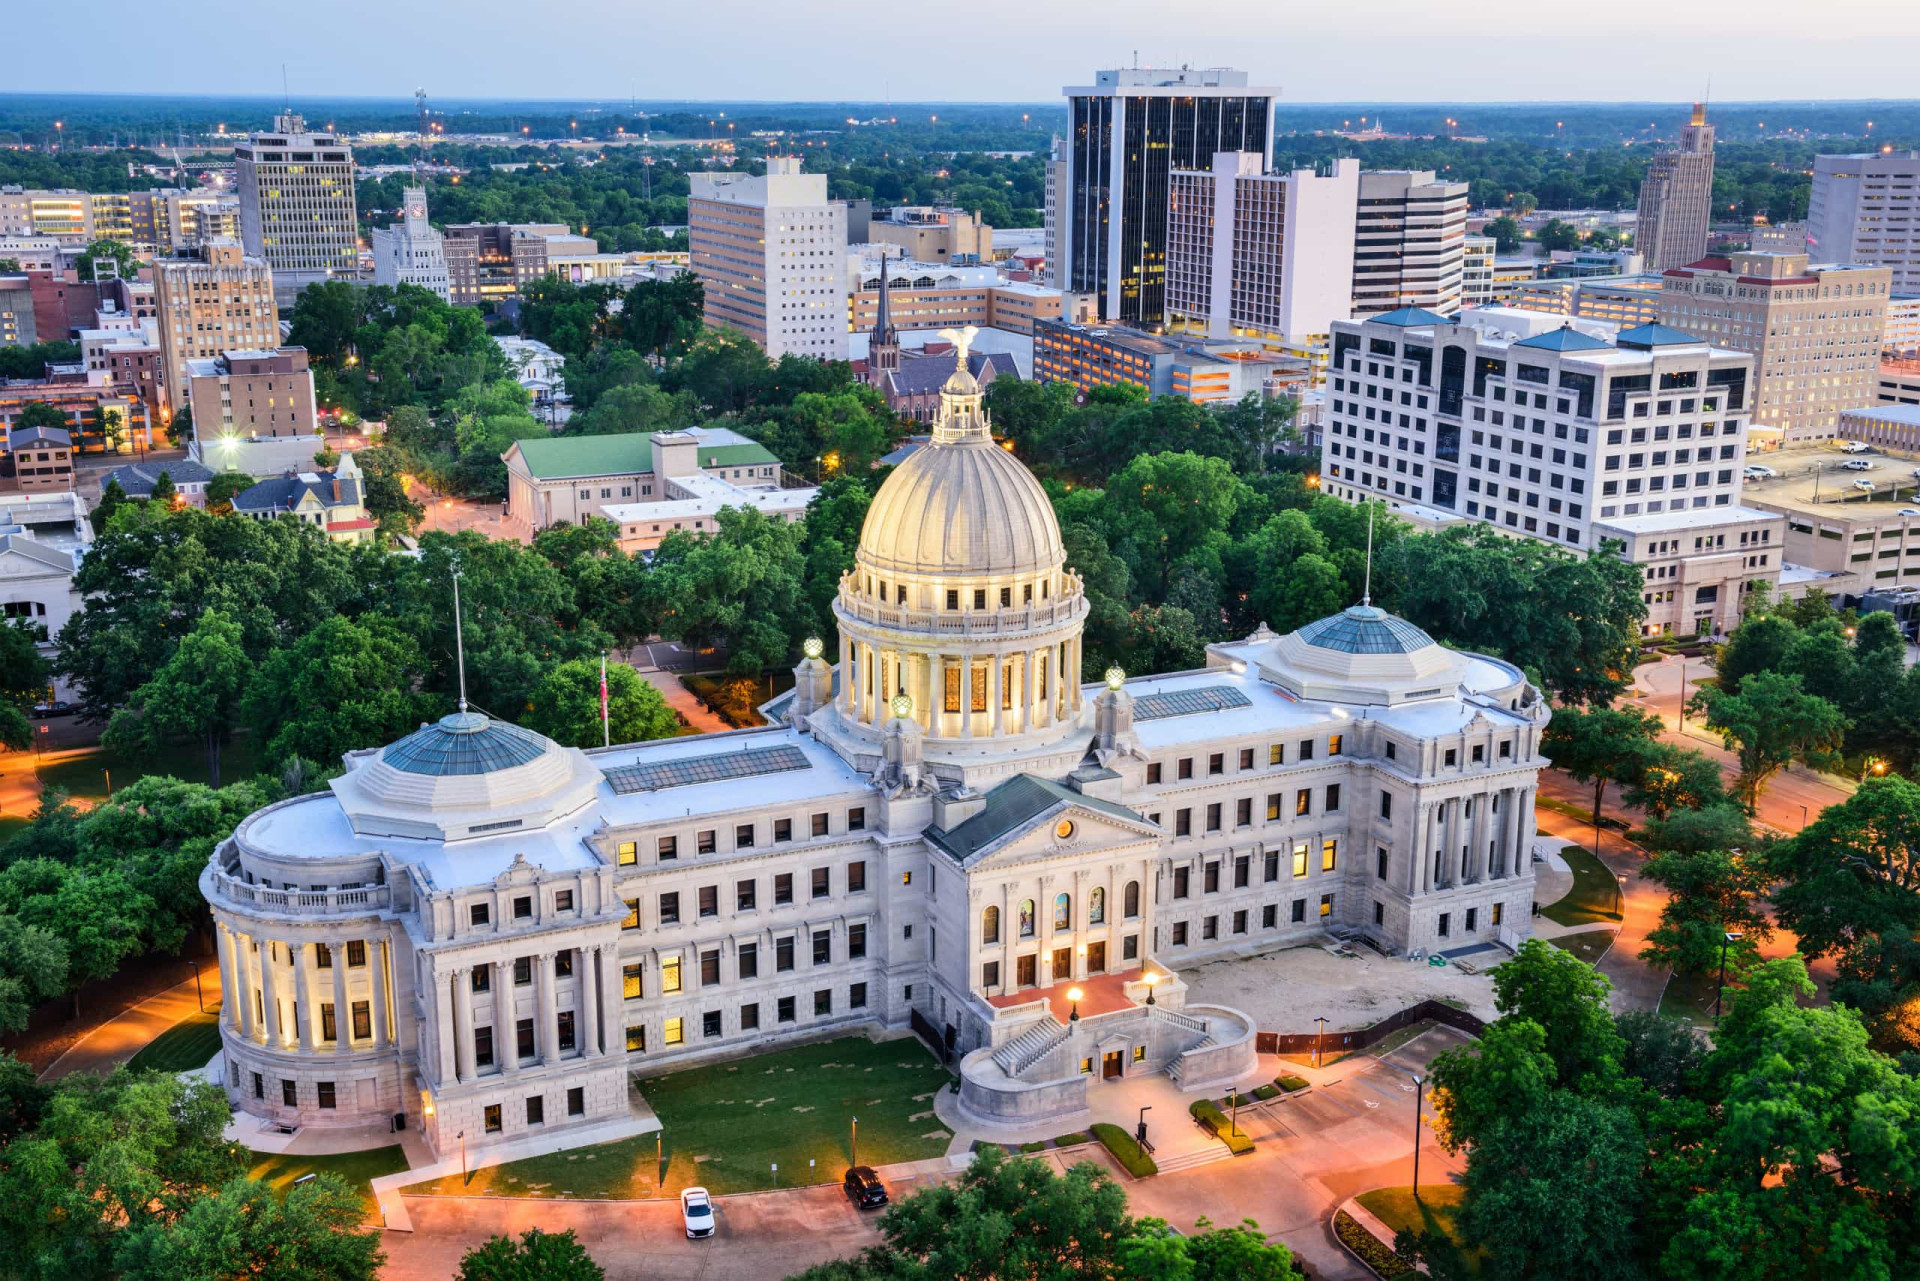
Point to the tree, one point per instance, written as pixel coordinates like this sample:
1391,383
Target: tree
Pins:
1722,826
1850,889
96,913
1599,746
536,1256
1771,723
194,695
33,969
224,488
566,706
112,499
344,685
126,264
1670,779
1473,1086
113,428
1505,232
108,1157
38,413
164,491
244,1229
1558,234
1164,507
1568,999
1710,893
23,1100
23,681
1661,1052
739,588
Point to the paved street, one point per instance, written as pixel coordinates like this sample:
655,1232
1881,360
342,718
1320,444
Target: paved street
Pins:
119,1039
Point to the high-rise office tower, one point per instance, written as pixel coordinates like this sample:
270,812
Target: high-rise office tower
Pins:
1257,254
1059,166
772,253
221,301
1814,331
411,252
1866,209
1409,242
1130,130
1675,199
296,200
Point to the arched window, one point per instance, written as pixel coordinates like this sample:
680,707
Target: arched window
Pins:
1026,918
1062,911
990,925
1097,906
1130,900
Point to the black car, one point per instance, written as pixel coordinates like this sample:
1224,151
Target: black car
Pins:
864,1188
58,708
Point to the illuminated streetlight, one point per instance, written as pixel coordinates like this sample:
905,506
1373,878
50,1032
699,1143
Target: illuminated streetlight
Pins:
1074,994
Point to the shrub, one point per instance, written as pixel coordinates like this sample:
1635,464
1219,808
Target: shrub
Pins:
1372,1250
1125,1150
1071,1140
1265,1092
1215,1122
1038,1145
1288,1082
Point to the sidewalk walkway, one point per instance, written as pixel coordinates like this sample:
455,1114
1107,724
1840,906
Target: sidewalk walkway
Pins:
120,1038
681,700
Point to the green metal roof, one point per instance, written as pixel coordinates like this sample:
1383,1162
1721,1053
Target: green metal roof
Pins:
1565,338
559,457
1012,806
1407,317
1653,335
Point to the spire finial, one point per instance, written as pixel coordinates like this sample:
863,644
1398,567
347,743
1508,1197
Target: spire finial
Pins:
1366,592
459,640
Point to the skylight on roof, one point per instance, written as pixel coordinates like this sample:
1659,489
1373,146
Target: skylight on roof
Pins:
718,768
1188,702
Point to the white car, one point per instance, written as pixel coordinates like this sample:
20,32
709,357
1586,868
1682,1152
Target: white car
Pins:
696,1211
1910,511
1760,471
1855,447
1864,485
1859,464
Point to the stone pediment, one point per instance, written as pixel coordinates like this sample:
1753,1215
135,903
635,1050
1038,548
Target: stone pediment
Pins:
1028,818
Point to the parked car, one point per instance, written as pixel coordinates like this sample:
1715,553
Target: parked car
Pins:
1910,511
864,1188
1855,447
59,707
1859,464
1760,471
1865,485
696,1211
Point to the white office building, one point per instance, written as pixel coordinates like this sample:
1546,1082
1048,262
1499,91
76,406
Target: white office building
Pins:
1476,271
1866,209
490,933
1409,245
771,252
411,252
1257,255
296,202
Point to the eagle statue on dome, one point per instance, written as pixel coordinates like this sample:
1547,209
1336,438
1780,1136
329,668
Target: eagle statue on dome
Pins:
962,339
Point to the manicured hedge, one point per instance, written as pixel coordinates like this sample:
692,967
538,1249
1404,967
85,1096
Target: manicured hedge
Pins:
1038,1145
1125,1150
1216,1123
1265,1092
1372,1251
1071,1140
1289,1082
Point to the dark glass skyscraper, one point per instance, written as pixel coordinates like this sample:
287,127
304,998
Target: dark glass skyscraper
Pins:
1130,130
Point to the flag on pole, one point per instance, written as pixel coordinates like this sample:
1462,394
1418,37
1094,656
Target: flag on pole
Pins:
606,726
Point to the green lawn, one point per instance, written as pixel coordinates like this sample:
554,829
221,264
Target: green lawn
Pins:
184,1047
1690,997
11,825
1588,945
1434,1212
1595,895
85,777
723,1125
279,1170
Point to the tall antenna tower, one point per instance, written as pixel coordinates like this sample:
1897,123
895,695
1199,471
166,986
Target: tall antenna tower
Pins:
420,109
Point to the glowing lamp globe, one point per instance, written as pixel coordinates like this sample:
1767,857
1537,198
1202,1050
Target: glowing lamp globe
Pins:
1115,677
813,647
902,706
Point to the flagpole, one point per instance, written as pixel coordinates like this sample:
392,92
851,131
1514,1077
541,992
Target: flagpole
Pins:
606,725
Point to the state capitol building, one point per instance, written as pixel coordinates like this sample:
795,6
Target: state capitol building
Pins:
492,934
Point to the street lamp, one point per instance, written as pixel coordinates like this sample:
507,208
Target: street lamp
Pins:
856,1140
465,1178
1727,940
1140,1128
1074,994
1320,1039
1150,980
1419,1085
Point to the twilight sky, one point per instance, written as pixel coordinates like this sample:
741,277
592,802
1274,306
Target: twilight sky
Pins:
978,50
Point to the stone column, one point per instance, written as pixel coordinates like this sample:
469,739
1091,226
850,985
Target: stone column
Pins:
585,963
1026,691
612,994
1422,832
929,672
966,693
445,1061
377,971
305,1009
1042,703
1450,847
223,951
850,674
996,673
463,1064
1523,824
1073,651
243,985
342,1015
1474,866
545,1011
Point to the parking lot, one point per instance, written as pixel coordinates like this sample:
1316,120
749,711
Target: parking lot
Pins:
1829,475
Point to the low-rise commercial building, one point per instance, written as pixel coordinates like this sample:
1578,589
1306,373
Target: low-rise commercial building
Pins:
1883,426
41,458
252,393
1090,356
1899,382
490,262
575,478
1902,340
1699,565
189,479
1624,300
926,233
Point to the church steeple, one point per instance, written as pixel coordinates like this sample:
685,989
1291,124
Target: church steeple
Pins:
883,348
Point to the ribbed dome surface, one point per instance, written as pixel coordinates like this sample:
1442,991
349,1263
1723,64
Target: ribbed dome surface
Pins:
967,509
464,743
1363,629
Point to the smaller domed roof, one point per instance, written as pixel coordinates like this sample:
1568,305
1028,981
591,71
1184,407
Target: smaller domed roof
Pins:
464,743
1365,629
